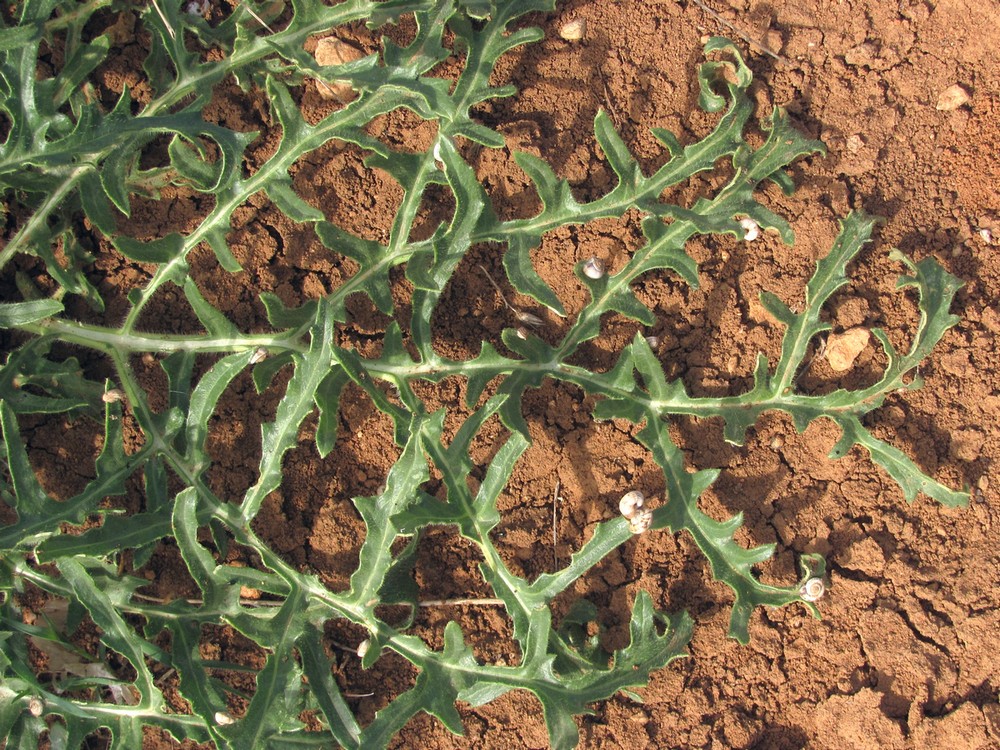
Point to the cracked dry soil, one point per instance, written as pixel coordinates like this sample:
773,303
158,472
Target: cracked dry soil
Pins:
905,655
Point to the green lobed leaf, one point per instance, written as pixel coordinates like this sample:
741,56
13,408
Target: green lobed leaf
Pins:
300,397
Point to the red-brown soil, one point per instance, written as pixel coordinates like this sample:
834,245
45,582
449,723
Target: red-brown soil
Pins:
906,653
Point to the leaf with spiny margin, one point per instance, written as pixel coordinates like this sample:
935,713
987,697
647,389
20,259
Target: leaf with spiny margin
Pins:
555,193
901,468
161,250
664,248
19,313
402,489
630,178
399,585
441,687
800,328
218,593
535,352
937,289
623,395
443,676
431,269
647,649
497,475
623,300
280,316
265,370
372,277
213,230
328,402
205,697
39,516
217,324
563,697
607,537
280,191
731,563
432,266
204,399
485,44
478,9
190,159
166,21
712,72
32,503
574,629
70,267
474,517
481,370
154,487
278,699
191,170
523,276
31,383
299,400
426,49
115,632
316,666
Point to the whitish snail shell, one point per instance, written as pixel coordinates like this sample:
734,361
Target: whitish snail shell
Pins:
593,267
752,229
812,589
640,521
631,502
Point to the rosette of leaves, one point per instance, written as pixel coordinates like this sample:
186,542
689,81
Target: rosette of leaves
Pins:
69,165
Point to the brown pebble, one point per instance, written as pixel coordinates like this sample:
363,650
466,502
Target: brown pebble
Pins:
952,98
333,51
843,348
574,30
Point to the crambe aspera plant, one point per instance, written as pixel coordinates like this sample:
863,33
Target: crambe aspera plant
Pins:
70,168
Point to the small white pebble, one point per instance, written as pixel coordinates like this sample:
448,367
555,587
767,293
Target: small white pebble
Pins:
986,235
